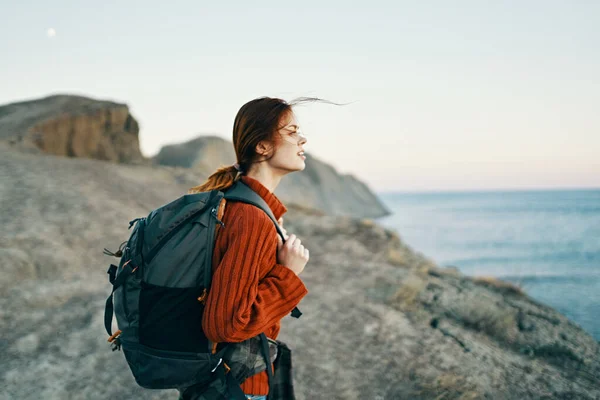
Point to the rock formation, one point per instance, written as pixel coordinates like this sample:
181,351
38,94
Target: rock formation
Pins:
203,154
72,126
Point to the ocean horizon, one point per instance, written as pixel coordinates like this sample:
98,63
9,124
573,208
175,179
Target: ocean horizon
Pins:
546,240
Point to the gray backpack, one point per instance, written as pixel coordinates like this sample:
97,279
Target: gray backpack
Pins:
158,294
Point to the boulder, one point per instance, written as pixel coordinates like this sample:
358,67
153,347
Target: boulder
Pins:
72,126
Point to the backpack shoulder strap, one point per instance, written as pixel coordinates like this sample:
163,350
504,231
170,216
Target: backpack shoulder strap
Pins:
242,192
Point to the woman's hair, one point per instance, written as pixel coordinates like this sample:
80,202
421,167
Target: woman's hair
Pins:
257,120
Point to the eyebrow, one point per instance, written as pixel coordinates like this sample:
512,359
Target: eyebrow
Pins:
292,126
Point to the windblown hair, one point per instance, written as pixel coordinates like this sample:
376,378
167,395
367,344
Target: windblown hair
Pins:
257,120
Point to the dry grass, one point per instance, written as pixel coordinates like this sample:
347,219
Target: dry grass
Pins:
444,271
486,316
397,257
424,267
450,386
367,222
499,285
405,297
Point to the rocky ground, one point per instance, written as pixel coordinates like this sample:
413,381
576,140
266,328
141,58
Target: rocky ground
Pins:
381,321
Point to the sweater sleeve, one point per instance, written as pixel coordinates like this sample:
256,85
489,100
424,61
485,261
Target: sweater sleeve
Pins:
239,305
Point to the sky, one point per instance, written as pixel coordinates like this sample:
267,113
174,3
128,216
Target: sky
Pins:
461,95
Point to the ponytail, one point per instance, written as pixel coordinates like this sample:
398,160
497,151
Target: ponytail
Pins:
221,179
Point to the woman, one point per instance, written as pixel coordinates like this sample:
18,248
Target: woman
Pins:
255,276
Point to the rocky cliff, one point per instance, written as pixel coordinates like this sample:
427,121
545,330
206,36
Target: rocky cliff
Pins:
72,126
381,321
319,186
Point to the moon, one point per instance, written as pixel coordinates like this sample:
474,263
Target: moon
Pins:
51,32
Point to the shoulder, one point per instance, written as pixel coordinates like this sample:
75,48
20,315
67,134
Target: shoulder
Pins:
248,225
246,216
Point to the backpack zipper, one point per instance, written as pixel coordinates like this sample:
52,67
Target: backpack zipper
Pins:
208,259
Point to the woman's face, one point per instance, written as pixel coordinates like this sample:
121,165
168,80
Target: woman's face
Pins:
289,146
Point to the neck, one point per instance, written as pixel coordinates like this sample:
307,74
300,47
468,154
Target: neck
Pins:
267,176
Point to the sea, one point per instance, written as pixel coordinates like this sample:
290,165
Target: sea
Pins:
547,241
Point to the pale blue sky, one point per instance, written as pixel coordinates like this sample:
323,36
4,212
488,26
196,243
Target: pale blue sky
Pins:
447,95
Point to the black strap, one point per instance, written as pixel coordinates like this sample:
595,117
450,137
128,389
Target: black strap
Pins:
265,352
296,313
112,273
234,389
116,282
108,314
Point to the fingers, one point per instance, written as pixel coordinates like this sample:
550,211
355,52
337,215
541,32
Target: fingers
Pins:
290,240
295,244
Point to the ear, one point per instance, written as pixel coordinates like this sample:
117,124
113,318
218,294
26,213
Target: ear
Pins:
263,148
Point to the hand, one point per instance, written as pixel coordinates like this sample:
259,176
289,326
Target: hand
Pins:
280,222
292,254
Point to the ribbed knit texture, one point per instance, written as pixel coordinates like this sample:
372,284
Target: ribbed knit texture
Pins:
250,292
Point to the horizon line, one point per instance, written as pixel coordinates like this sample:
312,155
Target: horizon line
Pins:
488,190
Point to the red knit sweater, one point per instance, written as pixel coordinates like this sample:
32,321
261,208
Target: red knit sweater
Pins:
250,292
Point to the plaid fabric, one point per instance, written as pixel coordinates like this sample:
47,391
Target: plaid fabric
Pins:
245,359
283,386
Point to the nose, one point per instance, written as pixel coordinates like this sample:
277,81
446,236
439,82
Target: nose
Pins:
302,140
